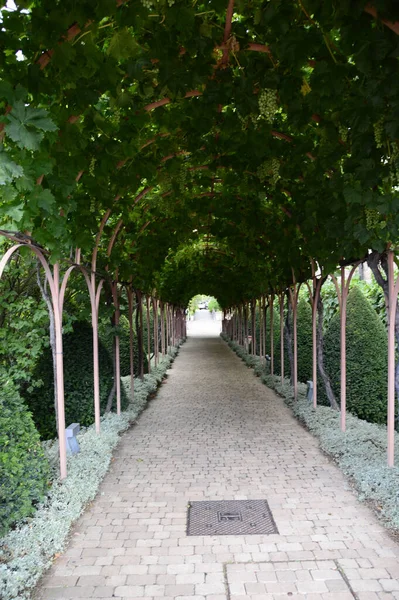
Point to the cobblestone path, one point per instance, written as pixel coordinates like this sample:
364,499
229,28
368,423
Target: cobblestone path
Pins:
214,432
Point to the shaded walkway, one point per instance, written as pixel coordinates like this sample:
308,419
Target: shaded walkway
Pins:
215,432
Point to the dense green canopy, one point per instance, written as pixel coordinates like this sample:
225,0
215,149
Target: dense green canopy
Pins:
235,140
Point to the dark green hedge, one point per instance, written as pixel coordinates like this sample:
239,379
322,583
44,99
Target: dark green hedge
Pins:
304,339
366,345
107,338
304,335
78,379
24,471
276,337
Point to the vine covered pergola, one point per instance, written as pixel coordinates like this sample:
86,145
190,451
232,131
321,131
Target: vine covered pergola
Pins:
174,146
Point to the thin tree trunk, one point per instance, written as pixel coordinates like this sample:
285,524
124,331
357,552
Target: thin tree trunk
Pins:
46,298
111,396
147,301
265,307
162,309
375,259
253,324
320,356
139,332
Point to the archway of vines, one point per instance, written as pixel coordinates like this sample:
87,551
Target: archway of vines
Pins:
219,145
268,127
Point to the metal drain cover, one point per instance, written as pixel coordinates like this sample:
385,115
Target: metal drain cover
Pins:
230,517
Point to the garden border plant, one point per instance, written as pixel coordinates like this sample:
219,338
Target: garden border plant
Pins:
28,550
360,452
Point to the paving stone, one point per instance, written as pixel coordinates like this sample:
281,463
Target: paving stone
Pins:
214,432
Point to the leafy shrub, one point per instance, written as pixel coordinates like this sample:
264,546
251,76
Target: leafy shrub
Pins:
27,551
24,470
304,340
78,380
366,359
371,290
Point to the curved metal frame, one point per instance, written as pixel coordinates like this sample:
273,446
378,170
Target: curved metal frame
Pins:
342,294
53,279
294,294
393,287
314,295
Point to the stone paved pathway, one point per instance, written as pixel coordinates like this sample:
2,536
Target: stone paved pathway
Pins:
214,432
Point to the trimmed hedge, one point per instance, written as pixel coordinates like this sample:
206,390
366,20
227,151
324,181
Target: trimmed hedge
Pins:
24,471
78,380
366,359
304,340
106,335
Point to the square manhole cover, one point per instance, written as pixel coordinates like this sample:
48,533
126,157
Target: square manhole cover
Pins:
230,517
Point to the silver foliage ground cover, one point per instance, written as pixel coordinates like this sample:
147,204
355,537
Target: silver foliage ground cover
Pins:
28,550
361,452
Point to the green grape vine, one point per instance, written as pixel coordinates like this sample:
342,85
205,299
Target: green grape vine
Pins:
373,219
182,179
343,133
379,133
92,166
270,170
268,104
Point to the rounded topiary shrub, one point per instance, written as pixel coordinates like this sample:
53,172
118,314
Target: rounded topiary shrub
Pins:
304,340
366,359
24,471
78,381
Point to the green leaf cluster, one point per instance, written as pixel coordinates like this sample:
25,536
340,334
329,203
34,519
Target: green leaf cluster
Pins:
24,471
366,345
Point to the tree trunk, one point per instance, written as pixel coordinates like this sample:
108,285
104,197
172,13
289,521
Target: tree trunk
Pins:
46,298
147,301
111,397
139,331
361,272
288,338
253,327
375,260
320,356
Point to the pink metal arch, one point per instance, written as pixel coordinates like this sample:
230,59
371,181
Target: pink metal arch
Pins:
393,290
54,284
271,304
294,294
281,304
314,295
94,296
131,347
148,303
342,293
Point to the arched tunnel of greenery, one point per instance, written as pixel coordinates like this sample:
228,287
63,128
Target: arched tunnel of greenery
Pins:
233,139
165,148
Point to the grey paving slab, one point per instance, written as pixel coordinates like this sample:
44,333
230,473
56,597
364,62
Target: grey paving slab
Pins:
214,432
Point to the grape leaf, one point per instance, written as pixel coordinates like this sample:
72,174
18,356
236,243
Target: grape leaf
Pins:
43,198
15,213
123,45
22,123
9,170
